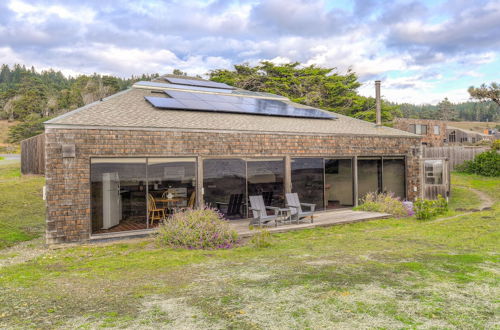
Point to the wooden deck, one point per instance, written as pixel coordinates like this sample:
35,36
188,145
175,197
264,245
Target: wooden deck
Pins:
323,219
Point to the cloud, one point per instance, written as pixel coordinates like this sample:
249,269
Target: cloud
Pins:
422,41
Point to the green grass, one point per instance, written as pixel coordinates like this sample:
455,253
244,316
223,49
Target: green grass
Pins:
21,206
2,158
392,273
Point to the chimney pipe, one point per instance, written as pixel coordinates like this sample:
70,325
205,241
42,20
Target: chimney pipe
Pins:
377,103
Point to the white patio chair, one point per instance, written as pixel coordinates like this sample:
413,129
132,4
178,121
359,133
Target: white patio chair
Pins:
292,201
259,211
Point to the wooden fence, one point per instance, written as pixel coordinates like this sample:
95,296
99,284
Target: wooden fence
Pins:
33,155
456,154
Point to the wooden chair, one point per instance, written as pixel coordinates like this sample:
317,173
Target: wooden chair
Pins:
234,205
259,211
292,201
154,212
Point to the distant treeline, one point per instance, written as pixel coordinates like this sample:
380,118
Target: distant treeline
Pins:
466,111
32,97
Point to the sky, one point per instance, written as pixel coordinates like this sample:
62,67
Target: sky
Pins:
422,51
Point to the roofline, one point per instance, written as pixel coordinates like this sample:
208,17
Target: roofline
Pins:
72,112
197,130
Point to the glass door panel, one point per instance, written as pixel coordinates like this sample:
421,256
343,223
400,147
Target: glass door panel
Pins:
224,185
369,176
172,183
266,177
394,176
118,194
338,183
308,180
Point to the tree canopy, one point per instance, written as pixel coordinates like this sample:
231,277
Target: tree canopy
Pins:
486,93
323,88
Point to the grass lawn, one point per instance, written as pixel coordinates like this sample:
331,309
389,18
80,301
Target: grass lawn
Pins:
393,273
21,207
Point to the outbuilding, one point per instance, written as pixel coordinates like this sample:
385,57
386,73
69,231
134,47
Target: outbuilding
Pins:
176,142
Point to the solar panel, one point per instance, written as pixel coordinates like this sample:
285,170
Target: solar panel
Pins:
233,104
236,92
201,83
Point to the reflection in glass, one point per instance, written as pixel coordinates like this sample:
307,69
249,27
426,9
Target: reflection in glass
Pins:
118,193
224,184
266,177
369,176
307,180
338,183
394,176
171,183
433,171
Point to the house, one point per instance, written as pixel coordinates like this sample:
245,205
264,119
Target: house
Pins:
461,136
433,132
114,165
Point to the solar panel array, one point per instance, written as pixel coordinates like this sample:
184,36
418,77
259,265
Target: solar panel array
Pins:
207,89
233,104
200,83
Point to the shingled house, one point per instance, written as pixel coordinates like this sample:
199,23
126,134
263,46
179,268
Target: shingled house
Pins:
178,142
433,132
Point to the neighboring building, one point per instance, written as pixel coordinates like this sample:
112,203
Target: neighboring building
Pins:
461,136
433,132
178,143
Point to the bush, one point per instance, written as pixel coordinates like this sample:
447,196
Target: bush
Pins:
428,209
383,202
197,229
262,239
486,163
495,145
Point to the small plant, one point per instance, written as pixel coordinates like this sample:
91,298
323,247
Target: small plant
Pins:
428,209
197,229
383,202
486,163
261,239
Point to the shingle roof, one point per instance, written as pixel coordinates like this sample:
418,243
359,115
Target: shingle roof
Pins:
129,109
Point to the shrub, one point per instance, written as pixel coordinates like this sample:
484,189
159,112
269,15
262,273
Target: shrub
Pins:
261,239
495,145
197,229
383,202
486,163
428,209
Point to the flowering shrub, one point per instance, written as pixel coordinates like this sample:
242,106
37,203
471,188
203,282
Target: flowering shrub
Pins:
197,229
409,208
384,202
428,209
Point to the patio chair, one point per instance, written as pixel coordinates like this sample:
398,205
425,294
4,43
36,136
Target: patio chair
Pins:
259,211
292,201
234,205
154,212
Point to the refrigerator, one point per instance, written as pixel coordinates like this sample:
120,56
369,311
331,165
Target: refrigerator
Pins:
111,200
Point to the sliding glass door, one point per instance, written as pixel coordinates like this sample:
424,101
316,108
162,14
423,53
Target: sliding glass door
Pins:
369,176
393,176
339,183
118,194
308,180
225,186
266,177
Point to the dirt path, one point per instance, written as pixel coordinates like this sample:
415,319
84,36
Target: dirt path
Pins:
486,203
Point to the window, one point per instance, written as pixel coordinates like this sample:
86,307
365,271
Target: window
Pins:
393,176
452,137
224,183
413,128
369,176
436,130
418,129
423,129
265,177
338,183
433,171
307,180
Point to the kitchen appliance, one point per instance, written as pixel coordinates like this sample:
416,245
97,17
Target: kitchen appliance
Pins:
111,200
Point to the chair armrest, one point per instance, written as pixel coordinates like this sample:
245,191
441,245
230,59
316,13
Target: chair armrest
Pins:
275,209
295,207
311,206
259,212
